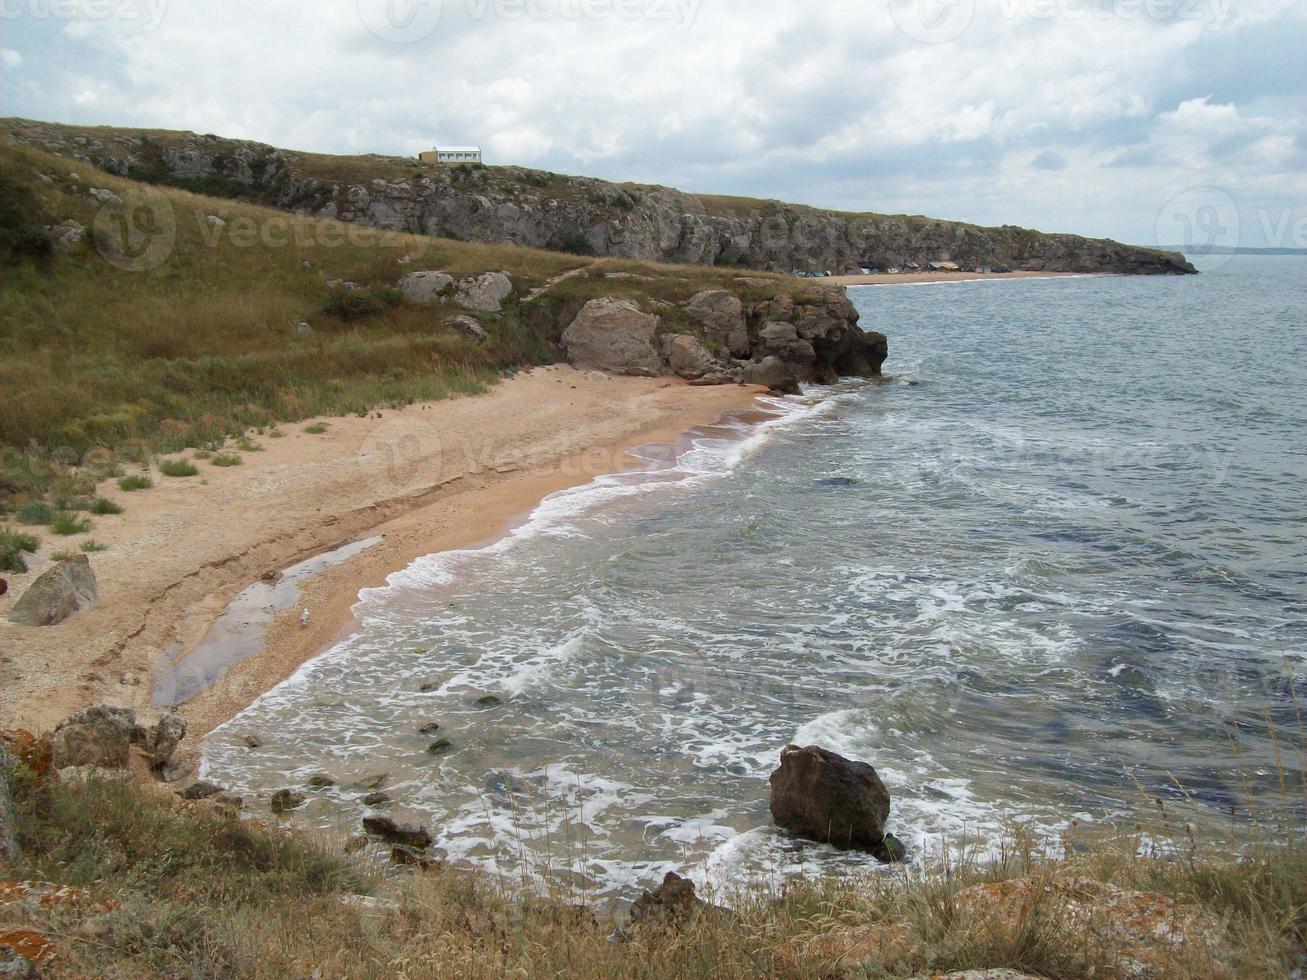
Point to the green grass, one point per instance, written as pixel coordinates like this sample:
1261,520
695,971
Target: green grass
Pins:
35,514
13,544
131,484
104,507
226,460
91,546
247,445
66,523
317,428
177,467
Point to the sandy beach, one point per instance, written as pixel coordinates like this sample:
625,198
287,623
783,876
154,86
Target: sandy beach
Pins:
911,278
428,477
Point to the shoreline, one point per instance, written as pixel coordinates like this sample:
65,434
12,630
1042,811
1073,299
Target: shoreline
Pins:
429,478
922,278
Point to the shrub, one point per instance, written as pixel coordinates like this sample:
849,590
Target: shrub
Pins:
247,445
12,546
35,513
226,459
66,523
351,304
130,484
316,429
104,507
177,467
91,546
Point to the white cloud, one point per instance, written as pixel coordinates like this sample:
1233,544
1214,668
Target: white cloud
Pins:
10,58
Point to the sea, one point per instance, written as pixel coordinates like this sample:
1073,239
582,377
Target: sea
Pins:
1050,571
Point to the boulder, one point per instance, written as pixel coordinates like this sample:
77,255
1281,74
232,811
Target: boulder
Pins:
771,372
688,357
201,790
425,287
164,738
285,800
409,835
66,589
824,797
614,336
485,293
468,327
100,736
720,315
8,842
673,903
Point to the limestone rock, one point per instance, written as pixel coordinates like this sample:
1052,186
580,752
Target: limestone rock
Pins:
468,327
720,314
614,336
825,797
425,287
485,293
100,736
66,589
408,835
688,357
164,738
771,372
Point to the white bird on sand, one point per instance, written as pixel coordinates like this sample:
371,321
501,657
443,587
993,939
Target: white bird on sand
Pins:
304,618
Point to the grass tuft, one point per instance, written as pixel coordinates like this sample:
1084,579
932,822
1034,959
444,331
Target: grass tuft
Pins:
35,514
317,428
130,484
226,459
177,467
105,507
12,546
67,523
91,546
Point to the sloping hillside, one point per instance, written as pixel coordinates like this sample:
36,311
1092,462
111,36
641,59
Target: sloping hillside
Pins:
574,214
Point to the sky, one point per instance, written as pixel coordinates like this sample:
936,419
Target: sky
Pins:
1148,121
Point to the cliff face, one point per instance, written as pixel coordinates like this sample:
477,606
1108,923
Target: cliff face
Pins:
575,214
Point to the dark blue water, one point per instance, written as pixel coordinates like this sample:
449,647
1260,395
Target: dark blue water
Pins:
1054,567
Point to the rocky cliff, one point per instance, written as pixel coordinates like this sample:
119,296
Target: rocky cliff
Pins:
574,214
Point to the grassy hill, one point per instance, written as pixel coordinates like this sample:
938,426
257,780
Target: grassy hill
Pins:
202,319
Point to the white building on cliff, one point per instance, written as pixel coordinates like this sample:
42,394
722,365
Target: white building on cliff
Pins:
452,154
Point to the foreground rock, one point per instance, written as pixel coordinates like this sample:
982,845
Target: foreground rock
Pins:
425,287
8,842
825,797
100,736
64,590
485,293
408,835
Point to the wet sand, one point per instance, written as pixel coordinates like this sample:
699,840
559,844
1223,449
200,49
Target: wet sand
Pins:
425,479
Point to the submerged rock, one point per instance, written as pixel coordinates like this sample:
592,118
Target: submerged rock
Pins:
410,835
64,590
825,797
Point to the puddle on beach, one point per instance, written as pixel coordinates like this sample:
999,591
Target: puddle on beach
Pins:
240,631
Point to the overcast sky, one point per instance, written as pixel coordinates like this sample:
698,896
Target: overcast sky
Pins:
1134,119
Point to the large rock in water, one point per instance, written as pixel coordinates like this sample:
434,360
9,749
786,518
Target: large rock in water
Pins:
66,589
101,737
613,335
825,797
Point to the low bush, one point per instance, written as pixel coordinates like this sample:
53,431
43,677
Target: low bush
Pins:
104,507
177,467
12,546
67,523
36,513
130,484
226,459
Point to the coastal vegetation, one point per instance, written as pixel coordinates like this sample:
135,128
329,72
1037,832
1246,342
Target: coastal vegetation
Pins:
151,885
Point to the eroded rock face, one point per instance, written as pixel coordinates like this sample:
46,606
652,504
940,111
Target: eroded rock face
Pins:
614,335
164,738
688,358
720,315
425,287
825,797
64,590
588,216
100,736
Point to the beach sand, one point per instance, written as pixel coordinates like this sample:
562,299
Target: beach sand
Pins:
909,278
429,478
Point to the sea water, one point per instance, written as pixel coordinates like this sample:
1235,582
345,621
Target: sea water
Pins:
1053,567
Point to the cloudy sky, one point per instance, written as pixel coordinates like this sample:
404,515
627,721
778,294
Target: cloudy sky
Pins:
1134,119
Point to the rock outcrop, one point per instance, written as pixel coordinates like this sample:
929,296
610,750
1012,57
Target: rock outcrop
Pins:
614,335
425,287
825,797
64,590
100,736
581,214
484,293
